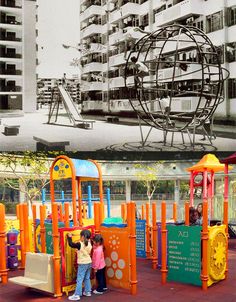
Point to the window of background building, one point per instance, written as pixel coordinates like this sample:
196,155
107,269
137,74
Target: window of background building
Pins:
231,52
231,15
232,88
145,20
214,22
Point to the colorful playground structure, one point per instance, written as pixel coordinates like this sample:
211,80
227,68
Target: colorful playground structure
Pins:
195,255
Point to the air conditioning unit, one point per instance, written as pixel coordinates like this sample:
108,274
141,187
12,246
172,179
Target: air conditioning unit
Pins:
189,20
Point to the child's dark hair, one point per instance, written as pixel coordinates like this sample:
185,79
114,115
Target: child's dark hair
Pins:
87,235
98,239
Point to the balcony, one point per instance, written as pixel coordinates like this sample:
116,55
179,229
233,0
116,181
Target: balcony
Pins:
125,11
93,67
10,89
116,82
91,11
11,3
10,57
15,25
10,74
116,37
179,11
91,30
91,86
117,60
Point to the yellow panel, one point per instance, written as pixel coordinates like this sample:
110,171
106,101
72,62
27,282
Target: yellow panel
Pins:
217,248
88,221
61,170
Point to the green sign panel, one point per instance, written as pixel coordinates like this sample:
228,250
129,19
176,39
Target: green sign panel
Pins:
49,239
184,254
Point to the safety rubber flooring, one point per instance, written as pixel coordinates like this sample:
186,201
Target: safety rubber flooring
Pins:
149,288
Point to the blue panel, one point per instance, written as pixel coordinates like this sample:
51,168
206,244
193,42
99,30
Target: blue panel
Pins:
85,168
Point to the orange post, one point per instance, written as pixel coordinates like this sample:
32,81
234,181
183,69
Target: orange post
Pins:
163,243
60,213
26,227
42,228
3,265
34,213
17,211
186,208
22,236
101,212
80,201
96,210
132,225
73,186
204,237
66,209
56,255
147,231
175,211
154,235
143,212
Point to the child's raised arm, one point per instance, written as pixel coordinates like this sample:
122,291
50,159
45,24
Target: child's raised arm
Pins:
75,245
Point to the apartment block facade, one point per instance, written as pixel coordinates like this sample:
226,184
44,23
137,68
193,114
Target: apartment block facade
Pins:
103,27
45,86
18,55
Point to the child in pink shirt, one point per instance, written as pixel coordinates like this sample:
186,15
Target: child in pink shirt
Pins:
98,264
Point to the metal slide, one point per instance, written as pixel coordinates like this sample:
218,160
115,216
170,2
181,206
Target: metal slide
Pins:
72,111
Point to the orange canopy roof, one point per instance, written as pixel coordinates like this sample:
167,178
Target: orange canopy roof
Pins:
209,162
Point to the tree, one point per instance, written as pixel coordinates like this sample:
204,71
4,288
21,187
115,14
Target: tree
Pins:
147,175
27,173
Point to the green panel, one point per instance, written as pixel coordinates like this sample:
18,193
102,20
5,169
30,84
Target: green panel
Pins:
49,242
184,254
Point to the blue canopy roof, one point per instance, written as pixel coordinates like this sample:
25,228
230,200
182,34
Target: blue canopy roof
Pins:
85,168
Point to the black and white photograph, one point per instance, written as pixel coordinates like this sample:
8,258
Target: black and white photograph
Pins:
118,75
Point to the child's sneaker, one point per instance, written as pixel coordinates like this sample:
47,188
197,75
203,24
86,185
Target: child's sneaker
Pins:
88,294
74,298
97,293
105,288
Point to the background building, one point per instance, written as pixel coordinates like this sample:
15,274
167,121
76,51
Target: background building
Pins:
18,55
45,85
104,25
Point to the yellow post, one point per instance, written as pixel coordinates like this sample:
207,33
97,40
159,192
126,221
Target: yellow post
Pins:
123,212
132,225
3,266
163,243
147,231
66,209
56,255
42,228
154,235
34,213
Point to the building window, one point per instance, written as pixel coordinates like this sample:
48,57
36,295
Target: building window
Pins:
214,22
232,88
231,52
145,20
231,15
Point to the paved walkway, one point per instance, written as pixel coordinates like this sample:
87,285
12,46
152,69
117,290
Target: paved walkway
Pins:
104,136
149,289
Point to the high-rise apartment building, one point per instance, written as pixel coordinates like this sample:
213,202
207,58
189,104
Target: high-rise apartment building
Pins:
18,55
104,24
